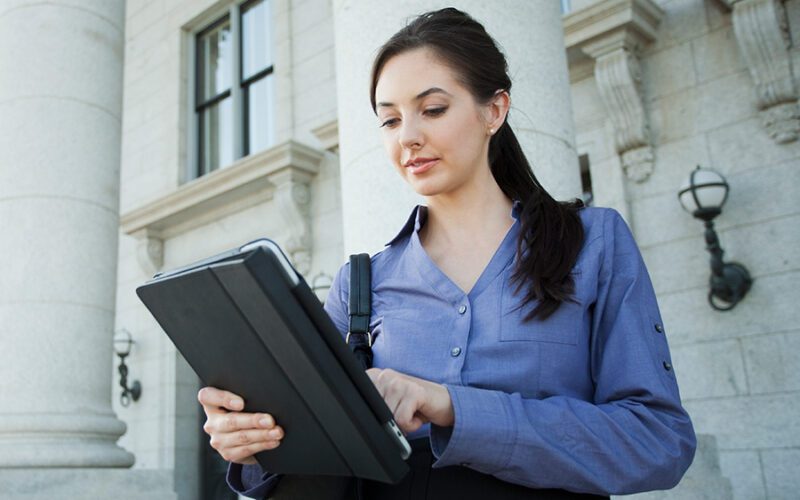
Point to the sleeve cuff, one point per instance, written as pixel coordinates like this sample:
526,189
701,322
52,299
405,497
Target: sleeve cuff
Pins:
250,480
483,436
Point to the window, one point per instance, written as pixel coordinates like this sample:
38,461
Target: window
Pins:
233,88
586,180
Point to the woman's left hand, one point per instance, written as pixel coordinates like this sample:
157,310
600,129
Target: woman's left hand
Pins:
413,401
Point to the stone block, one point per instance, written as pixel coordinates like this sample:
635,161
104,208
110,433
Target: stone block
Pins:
80,484
683,20
312,71
709,369
310,42
587,105
317,100
782,473
718,15
746,145
674,116
772,362
717,55
668,71
749,422
769,307
310,13
743,469
728,99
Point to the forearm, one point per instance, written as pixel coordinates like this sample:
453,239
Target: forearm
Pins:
612,448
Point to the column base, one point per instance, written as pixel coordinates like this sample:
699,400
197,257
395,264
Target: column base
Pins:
80,484
59,440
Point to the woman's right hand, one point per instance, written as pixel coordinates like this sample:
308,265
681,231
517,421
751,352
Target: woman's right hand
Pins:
237,436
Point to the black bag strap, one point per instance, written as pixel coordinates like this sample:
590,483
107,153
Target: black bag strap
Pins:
359,338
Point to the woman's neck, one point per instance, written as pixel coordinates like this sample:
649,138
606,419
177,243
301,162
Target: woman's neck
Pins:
469,214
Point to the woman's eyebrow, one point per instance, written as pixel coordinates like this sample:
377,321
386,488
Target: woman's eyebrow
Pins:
421,95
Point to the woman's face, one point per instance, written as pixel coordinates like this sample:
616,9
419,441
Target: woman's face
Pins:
435,133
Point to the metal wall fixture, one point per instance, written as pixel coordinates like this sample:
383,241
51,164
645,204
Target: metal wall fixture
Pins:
122,346
703,195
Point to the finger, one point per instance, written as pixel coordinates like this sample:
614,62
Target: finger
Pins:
373,374
236,421
407,416
244,454
213,397
245,437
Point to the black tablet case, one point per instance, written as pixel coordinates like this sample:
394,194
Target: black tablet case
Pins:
244,327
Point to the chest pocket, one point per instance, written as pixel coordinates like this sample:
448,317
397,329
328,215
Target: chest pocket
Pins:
561,327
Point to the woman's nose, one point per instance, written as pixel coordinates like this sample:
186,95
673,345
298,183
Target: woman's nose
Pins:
410,135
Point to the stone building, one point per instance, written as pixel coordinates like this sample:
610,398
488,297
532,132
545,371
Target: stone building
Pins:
144,135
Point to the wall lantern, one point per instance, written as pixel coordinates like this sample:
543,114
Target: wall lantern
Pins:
702,195
122,346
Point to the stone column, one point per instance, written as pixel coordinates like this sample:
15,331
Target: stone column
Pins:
375,201
60,110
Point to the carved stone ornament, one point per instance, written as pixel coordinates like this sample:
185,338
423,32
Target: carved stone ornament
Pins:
292,197
618,78
149,252
762,33
612,32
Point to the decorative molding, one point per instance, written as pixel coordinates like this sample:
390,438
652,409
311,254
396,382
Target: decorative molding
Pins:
612,32
328,135
149,252
287,167
762,32
293,198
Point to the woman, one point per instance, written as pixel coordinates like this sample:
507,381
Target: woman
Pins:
516,337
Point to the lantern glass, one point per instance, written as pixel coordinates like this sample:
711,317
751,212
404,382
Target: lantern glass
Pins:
123,342
709,187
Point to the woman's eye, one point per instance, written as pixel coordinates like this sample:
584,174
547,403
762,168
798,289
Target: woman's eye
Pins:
389,123
435,111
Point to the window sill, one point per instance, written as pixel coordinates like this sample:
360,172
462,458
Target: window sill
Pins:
247,182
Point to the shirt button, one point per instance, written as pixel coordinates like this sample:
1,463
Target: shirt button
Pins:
455,351
659,328
667,365
462,309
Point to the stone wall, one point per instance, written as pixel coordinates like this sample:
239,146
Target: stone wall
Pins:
736,369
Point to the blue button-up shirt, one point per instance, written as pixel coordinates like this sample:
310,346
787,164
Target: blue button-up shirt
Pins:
585,400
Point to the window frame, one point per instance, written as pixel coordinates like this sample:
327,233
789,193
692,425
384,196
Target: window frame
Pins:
237,91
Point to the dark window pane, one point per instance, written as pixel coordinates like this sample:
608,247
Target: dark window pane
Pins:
256,41
259,115
216,136
215,56
586,180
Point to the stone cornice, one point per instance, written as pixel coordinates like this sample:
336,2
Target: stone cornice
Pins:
287,167
637,18
328,135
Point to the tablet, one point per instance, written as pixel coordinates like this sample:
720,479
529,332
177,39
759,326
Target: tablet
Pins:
247,322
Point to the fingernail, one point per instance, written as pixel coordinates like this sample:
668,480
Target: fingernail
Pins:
237,403
265,422
276,433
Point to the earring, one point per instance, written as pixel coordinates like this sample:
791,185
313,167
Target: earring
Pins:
491,131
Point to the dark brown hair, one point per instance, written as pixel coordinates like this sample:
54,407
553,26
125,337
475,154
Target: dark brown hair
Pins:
551,233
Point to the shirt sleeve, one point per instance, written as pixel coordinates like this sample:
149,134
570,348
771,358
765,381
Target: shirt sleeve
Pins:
633,436
250,480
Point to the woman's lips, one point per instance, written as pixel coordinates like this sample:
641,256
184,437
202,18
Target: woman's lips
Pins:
422,167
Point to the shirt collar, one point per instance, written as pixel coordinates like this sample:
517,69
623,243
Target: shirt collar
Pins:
420,214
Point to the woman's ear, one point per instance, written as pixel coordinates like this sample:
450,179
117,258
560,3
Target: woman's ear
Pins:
496,111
